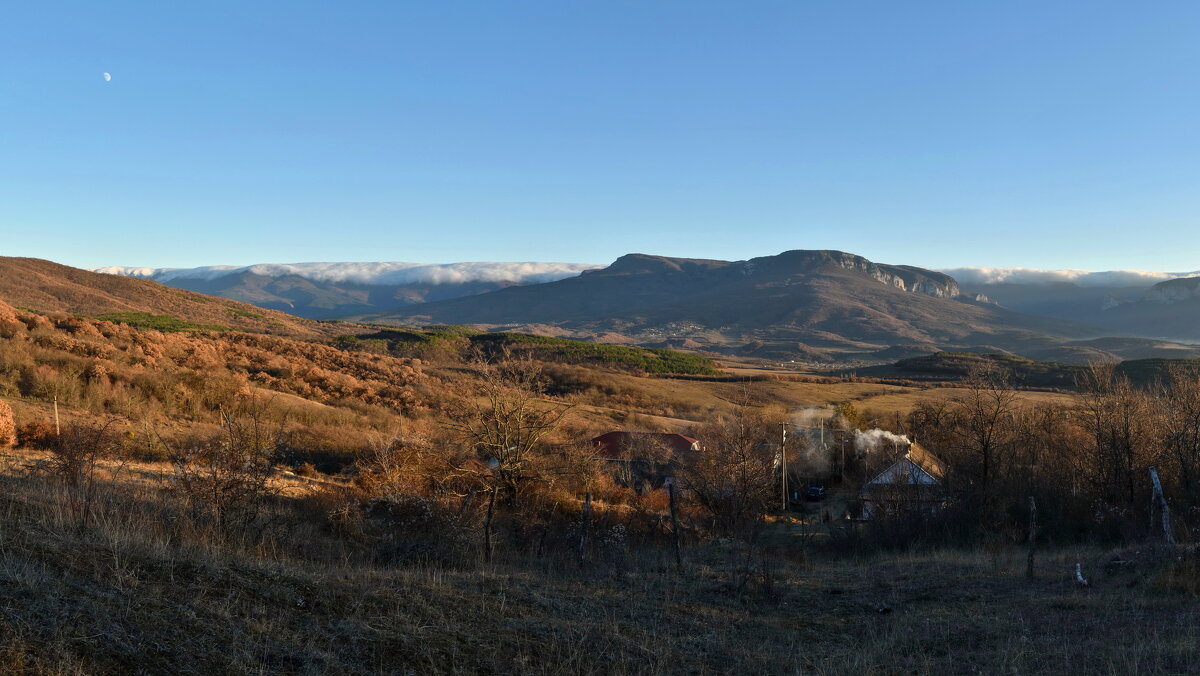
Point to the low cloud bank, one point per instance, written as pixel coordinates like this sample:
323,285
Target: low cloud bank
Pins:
1033,276
373,273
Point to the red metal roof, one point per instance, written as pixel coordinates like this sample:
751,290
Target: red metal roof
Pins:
617,445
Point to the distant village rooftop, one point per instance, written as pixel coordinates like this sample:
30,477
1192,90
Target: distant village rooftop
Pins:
626,445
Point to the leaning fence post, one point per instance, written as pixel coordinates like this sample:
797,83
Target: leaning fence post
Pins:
675,528
1080,580
1160,501
1033,528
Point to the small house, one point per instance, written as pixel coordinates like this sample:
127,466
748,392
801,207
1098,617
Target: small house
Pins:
645,460
910,485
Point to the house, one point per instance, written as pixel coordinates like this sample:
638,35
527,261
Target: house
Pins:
645,459
910,485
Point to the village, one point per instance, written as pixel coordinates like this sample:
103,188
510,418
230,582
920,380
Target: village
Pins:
834,475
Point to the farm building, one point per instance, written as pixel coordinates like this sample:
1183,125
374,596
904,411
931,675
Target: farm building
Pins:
911,484
645,459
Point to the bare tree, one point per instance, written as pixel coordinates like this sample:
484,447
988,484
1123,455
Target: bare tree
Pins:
1183,431
508,422
984,413
78,453
227,477
1123,425
734,478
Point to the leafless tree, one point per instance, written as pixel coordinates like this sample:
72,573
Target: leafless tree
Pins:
984,415
735,477
227,477
508,422
1182,426
77,455
1123,426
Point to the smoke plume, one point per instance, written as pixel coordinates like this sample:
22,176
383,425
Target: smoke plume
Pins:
875,440
810,456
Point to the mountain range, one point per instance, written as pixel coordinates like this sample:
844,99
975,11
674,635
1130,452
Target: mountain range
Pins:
820,305
1123,302
335,290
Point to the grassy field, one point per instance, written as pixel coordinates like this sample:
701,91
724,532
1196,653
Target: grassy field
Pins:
679,402
165,323
137,593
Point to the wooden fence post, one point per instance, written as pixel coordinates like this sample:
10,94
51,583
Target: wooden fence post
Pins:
587,514
487,528
675,528
1033,529
1160,501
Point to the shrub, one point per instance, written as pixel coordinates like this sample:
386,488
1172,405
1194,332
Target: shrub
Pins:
36,434
227,478
164,323
8,428
78,454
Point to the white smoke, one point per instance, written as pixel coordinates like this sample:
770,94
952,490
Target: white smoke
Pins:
1033,276
811,457
383,273
875,440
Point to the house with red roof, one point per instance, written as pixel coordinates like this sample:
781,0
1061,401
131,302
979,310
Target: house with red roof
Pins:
645,460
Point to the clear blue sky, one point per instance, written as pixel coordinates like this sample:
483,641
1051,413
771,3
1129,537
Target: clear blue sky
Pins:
1045,134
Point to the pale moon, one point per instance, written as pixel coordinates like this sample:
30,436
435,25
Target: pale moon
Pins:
107,77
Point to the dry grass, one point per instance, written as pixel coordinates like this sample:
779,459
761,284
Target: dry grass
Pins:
903,401
144,590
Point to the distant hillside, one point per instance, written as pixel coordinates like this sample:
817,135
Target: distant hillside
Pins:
1022,372
1121,303
50,287
1168,310
336,290
441,340
797,300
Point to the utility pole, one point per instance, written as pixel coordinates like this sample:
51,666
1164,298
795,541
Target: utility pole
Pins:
57,427
783,465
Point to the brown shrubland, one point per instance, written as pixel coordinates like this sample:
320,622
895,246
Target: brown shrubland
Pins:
436,519
8,426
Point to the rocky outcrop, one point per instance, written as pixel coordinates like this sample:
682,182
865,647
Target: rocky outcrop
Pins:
1173,291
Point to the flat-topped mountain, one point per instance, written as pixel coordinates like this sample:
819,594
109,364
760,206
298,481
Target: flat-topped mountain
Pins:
823,299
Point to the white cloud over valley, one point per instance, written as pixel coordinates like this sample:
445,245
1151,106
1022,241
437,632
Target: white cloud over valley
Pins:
383,273
1034,276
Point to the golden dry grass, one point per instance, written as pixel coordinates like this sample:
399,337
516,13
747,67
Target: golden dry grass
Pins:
137,593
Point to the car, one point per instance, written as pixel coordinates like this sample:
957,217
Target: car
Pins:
814,493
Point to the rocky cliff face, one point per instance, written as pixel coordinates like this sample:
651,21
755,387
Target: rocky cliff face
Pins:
786,266
902,277
1173,291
